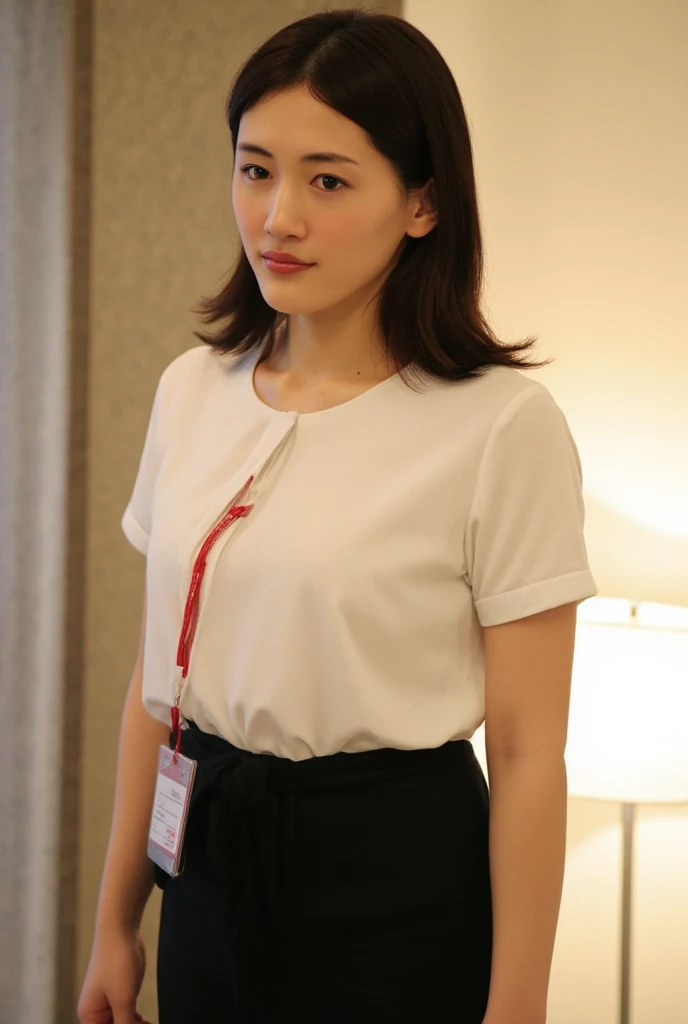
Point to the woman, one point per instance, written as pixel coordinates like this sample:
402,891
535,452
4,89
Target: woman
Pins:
364,536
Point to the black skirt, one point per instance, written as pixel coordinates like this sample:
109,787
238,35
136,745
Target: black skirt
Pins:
347,889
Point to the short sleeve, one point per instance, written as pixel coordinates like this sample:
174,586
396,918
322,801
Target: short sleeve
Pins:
137,518
524,544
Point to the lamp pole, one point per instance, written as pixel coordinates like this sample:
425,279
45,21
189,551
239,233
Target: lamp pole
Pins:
629,810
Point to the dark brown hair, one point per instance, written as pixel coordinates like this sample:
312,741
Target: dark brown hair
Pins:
388,78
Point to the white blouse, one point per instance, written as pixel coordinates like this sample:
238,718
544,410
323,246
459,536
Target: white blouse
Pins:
344,612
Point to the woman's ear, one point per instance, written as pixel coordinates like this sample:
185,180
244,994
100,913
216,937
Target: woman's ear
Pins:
424,212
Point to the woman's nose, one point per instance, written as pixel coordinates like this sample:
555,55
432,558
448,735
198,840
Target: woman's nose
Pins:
284,217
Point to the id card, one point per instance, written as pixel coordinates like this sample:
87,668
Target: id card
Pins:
170,810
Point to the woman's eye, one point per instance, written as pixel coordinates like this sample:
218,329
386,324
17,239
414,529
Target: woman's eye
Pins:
251,167
331,177
327,177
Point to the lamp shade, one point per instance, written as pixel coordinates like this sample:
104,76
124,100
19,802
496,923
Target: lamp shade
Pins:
628,724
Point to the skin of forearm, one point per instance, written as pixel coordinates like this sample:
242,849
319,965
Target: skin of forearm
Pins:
528,798
128,874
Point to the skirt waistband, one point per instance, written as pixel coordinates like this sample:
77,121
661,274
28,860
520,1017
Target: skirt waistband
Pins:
330,770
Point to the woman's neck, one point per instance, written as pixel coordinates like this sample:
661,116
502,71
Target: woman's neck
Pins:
306,353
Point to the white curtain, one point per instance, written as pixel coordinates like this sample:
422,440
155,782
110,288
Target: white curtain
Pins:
34,351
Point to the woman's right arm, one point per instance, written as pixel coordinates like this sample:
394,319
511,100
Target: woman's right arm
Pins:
117,962
128,874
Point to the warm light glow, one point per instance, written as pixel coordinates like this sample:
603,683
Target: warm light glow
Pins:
628,728
653,443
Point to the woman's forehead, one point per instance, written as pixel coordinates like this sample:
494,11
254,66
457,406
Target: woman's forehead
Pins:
294,122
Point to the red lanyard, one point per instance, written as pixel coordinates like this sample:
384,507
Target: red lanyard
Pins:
190,622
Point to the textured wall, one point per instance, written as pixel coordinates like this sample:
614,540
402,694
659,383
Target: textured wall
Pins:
162,234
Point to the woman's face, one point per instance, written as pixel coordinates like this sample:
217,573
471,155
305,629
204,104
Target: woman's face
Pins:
345,216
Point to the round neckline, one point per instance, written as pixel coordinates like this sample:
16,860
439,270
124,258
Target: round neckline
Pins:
332,410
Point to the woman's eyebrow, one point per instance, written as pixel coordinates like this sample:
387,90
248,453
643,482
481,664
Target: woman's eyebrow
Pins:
311,158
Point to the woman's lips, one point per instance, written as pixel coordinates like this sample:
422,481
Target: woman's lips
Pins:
286,268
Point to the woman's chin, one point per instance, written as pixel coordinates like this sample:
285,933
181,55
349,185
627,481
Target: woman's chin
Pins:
287,304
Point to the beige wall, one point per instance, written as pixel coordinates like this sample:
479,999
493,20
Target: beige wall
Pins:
577,110
161,234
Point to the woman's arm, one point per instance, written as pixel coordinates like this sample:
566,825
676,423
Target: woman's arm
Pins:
128,874
528,666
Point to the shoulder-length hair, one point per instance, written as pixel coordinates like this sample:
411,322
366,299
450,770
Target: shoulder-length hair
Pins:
387,77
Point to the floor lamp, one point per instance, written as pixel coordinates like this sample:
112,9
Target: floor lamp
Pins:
628,726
